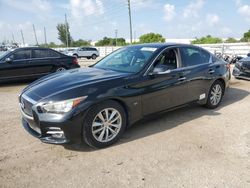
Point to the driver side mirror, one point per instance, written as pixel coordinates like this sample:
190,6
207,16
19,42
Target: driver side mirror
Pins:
8,60
160,69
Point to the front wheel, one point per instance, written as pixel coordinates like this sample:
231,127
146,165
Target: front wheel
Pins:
215,95
104,124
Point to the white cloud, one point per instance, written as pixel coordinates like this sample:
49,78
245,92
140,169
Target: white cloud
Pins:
140,4
212,19
243,9
192,9
34,6
169,12
80,8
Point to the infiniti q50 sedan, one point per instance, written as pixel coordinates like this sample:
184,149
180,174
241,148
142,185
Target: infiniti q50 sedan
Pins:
98,103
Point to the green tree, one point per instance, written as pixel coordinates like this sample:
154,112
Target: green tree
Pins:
63,32
80,42
111,42
151,37
207,40
246,37
50,45
231,40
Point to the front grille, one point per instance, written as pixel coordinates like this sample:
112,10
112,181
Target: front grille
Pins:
26,105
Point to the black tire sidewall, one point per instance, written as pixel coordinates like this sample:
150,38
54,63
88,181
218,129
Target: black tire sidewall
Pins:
87,125
93,56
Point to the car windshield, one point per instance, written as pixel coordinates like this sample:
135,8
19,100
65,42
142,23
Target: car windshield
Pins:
128,59
2,54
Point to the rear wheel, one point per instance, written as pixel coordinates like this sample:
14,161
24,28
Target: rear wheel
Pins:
94,56
104,124
215,95
60,69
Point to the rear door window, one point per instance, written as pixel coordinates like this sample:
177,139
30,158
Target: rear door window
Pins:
191,56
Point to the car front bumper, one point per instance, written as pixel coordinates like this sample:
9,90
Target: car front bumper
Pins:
241,74
63,131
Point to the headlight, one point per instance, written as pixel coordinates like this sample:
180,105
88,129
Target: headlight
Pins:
61,106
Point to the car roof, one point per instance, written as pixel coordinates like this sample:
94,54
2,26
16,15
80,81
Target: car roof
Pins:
32,47
162,45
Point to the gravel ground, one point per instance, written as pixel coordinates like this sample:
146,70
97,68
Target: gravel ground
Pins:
189,147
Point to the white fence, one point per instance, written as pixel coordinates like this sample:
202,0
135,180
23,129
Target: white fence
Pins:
241,49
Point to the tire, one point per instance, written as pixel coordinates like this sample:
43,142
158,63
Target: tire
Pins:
100,133
215,95
94,56
88,57
60,69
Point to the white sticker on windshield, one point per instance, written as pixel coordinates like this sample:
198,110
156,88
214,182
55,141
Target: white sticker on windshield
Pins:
148,49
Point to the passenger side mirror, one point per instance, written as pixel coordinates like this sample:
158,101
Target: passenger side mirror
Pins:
160,69
8,60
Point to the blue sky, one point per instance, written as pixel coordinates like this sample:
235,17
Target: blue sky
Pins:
94,19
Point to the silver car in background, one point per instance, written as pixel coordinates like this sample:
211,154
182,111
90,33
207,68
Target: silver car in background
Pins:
87,52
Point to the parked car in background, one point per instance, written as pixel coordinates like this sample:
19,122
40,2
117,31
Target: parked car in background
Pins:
96,104
68,51
242,69
87,52
32,63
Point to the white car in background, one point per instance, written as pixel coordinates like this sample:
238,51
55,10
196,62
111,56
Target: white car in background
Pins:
87,52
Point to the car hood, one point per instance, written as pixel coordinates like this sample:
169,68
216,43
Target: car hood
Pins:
60,82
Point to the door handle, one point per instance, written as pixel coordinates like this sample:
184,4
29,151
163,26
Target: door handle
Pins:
181,78
211,71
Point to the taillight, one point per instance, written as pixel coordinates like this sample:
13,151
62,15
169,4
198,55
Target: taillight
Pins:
75,61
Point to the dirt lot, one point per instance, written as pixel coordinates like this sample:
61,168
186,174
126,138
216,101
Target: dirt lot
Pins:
189,147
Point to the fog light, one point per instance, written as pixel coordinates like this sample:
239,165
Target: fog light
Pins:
58,135
55,132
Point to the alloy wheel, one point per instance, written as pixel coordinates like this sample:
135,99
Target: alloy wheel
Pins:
60,69
216,94
106,125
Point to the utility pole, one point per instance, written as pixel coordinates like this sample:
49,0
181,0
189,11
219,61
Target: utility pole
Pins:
130,22
34,29
116,31
22,36
67,35
13,38
134,35
45,37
